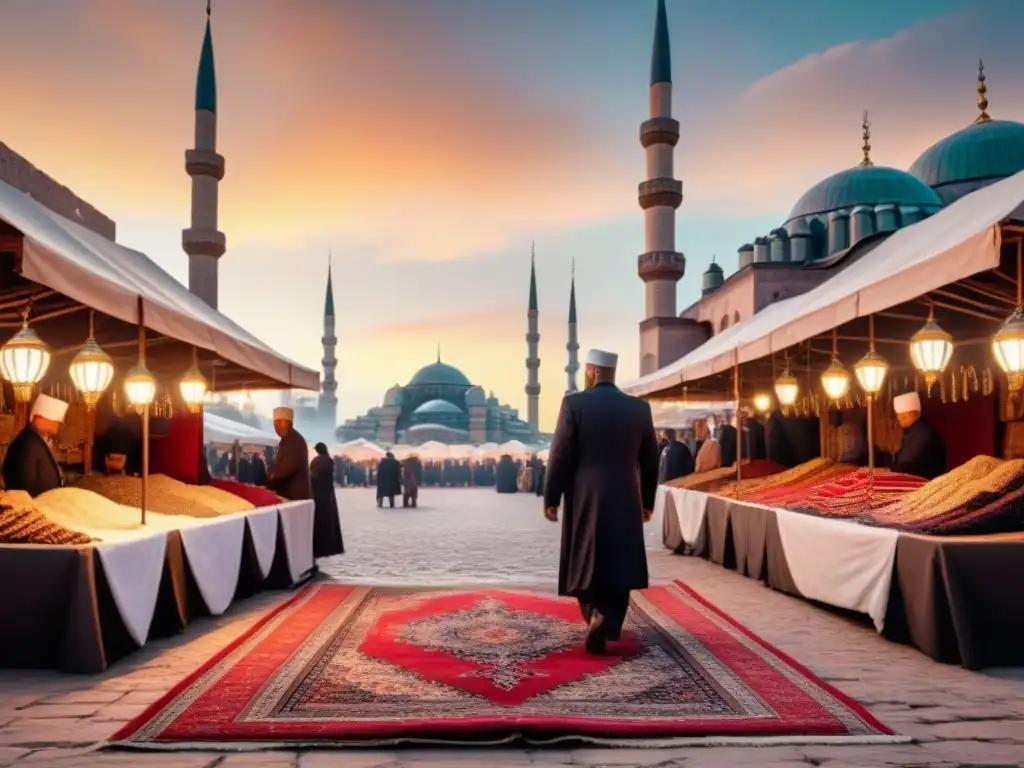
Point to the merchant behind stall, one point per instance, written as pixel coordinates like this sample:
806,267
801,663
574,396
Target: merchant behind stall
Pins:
290,476
30,465
922,450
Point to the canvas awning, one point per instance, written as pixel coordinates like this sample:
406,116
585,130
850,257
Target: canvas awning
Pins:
86,267
955,243
217,429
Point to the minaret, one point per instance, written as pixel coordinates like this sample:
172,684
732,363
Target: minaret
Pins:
572,345
661,266
202,241
327,406
533,359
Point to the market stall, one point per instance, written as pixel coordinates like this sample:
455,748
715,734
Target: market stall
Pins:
137,543
925,556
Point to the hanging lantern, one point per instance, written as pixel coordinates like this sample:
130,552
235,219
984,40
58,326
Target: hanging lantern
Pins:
787,388
24,360
931,349
140,387
91,370
871,372
1008,348
835,380
762,402
193,386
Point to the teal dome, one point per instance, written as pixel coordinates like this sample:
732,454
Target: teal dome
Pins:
993,149
438,407
864,185
439,374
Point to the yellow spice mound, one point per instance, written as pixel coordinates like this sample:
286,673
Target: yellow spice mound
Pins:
701,479
951,490
22,523
164,494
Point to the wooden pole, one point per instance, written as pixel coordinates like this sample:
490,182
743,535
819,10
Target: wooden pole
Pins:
90,438
739,427
144,414
871,409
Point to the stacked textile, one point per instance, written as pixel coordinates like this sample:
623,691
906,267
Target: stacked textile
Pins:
163,494
753,485
22,523
797,490
853,493
982,496
254,494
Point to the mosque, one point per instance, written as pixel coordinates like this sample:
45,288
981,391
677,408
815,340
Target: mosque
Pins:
836,220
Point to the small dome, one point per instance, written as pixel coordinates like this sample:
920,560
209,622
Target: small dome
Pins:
439,374
437,407
865,185
993,149
712,268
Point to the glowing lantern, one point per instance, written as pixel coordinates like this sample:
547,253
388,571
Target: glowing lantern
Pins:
91,370
787,388
194,386
1008,348
835,380
24,360
871,372
931,349
140,387
762,402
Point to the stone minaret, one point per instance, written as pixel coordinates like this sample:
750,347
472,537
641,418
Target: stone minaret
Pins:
533,359
572,345
202,241
327,405
663,336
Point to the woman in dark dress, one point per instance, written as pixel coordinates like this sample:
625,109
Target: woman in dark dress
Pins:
327,539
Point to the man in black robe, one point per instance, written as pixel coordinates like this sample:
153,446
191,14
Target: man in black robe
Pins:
389,480
290,476
603,461
676,459
29,464
327,539
922,450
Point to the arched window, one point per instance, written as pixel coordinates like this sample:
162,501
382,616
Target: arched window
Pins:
735,317
724,324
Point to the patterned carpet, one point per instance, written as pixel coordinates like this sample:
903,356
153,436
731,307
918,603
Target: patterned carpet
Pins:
346,665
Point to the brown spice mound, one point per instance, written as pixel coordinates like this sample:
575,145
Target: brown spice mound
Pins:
162,494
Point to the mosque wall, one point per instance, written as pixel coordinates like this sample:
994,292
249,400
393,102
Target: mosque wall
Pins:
25,177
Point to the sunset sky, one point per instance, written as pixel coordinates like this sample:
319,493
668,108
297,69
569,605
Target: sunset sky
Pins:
426,143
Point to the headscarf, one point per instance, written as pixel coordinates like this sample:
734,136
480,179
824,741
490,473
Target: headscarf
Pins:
321,449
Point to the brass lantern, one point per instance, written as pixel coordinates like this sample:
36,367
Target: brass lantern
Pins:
871,371
931,349
787,388
24,360
835,380
1008,348
140,387
91,370
193,386
762,402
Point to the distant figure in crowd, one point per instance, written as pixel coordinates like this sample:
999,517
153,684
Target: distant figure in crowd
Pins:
29,464
539,471
777,442
258,469
709,456
922,450
290,475
389,480
728,440
603,462
507,475
327,539
412,474
676,459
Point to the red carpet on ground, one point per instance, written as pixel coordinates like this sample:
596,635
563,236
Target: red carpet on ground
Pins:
342,665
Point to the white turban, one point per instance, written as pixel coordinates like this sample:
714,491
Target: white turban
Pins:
284,414
49,408
907,403
602,359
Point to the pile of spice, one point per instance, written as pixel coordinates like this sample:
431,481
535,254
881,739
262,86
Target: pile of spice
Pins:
754,472
703,481
163,494
222,502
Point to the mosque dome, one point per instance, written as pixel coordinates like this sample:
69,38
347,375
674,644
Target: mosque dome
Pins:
439,374
865,185
985,150
438,407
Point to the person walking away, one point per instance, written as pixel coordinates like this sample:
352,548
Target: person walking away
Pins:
289,477
603,462
410,482
389,480
676,459
327,539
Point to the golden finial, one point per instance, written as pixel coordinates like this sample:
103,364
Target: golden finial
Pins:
866,135
982,98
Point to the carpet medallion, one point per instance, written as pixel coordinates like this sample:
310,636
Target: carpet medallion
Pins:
349,665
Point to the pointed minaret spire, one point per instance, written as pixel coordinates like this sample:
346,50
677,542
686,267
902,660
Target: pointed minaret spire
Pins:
532,354
982,95
202,241
572,346
439,351
327,405
865,126
661,53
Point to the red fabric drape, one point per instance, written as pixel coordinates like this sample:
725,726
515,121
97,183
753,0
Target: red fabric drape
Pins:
968,427
178,453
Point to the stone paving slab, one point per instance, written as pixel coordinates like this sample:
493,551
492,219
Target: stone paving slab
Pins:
960,718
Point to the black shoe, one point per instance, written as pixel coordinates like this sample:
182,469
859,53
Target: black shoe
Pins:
595,634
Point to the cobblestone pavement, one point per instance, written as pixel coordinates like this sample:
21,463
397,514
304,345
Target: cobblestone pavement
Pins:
959,718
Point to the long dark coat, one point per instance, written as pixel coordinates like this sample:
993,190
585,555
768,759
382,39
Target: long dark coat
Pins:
922,451
290,476
676,461
327,539
412,470
29,464
389,478
604,462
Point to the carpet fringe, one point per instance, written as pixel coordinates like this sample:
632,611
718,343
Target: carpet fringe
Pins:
668,743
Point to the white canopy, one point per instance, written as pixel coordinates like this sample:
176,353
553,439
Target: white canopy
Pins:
221,431
434,450
679,415
486,451
957,242
543,454
360,449
403,452
514,448
461,451
74,261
